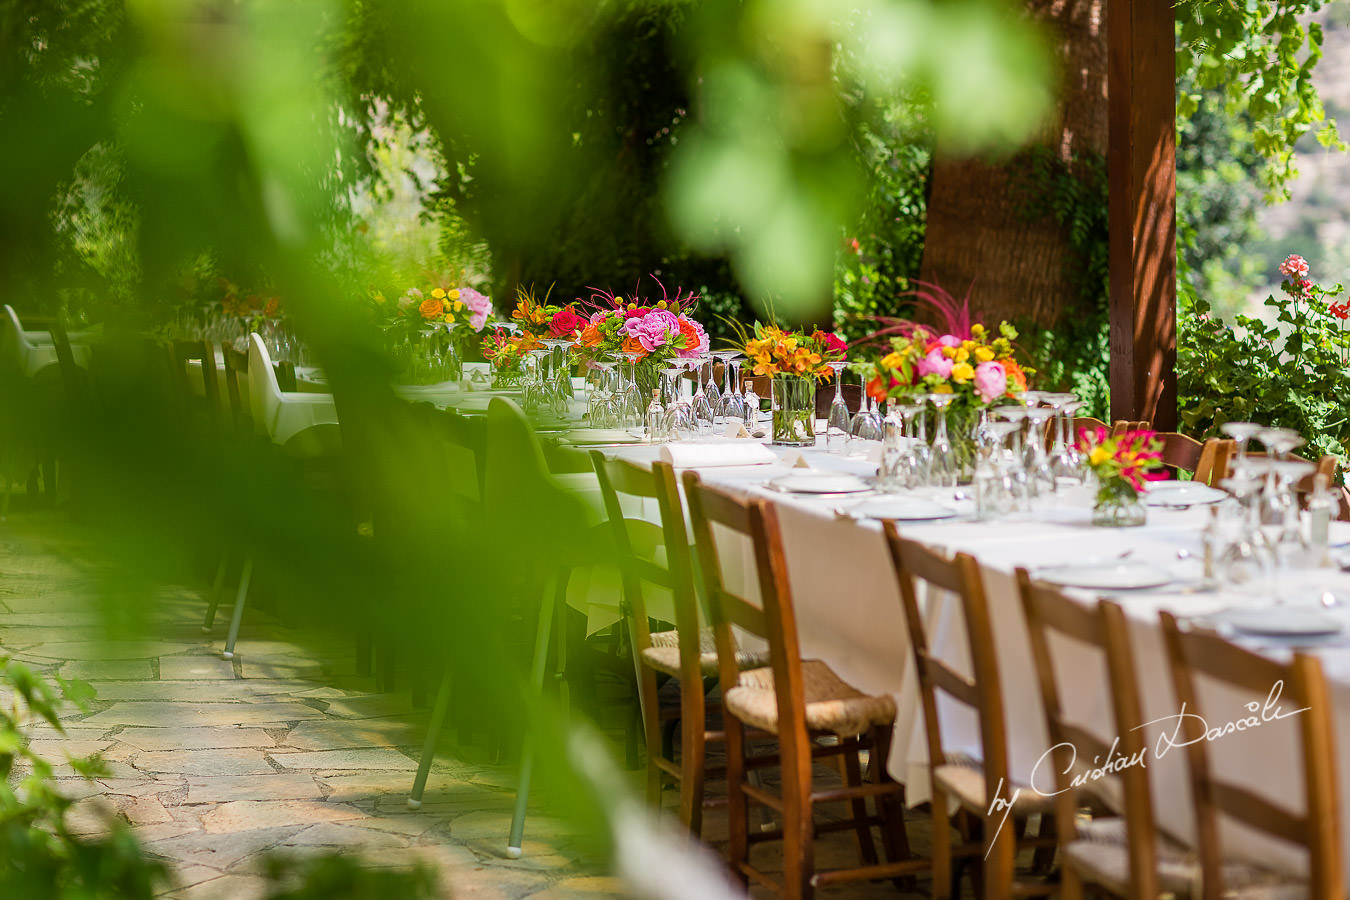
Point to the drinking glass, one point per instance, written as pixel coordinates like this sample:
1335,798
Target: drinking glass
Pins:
1241,433
728,407
1019,490
866,423
1067,460
1040,474
836,425
702,410
943,468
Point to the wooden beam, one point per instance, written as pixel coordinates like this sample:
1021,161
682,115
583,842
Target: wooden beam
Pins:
1142,179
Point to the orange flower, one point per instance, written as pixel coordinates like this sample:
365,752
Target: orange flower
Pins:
876,388
691,340
1017,379
633,345
432,308
590,336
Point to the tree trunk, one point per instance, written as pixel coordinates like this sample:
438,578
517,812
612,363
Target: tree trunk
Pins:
978,235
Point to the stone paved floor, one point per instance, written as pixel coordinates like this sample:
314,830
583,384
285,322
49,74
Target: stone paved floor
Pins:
215,763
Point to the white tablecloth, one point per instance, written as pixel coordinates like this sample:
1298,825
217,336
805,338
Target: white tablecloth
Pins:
849,615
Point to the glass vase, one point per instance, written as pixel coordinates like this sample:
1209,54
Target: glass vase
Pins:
794,411
1118,505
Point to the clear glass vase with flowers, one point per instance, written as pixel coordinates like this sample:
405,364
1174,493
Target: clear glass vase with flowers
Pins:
1123,466
795,361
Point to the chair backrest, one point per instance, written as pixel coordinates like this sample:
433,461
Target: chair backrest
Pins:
1302,687
770,616
264,393
236,364
17,338
466,435
516,468
1121,426
1086,422
1326,466
825,397
1206,462
636,539
1102,627
959,575
203,353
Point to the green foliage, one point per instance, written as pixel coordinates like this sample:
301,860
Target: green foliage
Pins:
882,253
1075,354
1288,372
1260,57
39,857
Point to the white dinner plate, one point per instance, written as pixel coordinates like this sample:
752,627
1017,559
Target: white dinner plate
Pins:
600,436
820,483
1108,576
901,509
1182,493
1280,621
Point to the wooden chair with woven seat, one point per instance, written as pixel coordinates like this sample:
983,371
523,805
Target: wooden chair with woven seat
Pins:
658,558
975,784
1195,654
794,700
1206,462
1124,856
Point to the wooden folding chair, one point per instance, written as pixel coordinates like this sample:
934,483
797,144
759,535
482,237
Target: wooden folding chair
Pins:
978,785
794,700
1124,856
1316,825
657,557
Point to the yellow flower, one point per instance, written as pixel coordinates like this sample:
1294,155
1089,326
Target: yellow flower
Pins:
962,372
943,388
949,352
379,297
983,354
457,305
892,360
1098,456
453,295
439,294
977,331
962,354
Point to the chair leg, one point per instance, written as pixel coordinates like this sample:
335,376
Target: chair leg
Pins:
942,848
434,726
240,598
867,848
216,587
693,753
537,666
738,811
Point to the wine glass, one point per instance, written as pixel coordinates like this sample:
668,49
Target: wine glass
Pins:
1068,461
836,424
943,467
728,407
1040,475
1241,433
599,406
702,410
866,422
1019,490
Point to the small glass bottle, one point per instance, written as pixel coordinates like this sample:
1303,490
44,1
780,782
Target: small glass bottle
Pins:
751,409
1319,522
656,418
890,472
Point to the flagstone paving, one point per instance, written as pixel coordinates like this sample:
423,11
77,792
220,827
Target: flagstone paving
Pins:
215,764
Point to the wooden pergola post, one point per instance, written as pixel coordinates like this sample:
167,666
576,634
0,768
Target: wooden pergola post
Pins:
1142,179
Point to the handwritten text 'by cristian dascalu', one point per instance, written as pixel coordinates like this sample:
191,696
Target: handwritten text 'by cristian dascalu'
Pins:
1259,713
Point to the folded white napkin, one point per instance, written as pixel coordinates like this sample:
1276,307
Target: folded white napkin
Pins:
729,453
736,428
796,459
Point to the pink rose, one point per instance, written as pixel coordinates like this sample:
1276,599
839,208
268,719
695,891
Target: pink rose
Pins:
991,381
833,343
480,307
934,364
566,323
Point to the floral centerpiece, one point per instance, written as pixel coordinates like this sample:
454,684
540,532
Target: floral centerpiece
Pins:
431,331
958,357
795,360
506,353
649,332
1123,466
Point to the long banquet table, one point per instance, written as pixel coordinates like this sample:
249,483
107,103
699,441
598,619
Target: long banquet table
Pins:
849,615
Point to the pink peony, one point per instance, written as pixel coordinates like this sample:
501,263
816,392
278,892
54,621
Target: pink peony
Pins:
991,381
1294,266
653,329
934,364
566,323
480,307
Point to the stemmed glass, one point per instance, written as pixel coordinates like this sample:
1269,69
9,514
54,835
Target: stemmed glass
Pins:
1067,460
560,375
1241,433
1040,475
729,405
633,406
535,397
994,490
702,409
918,454
1016,477
600,404
836,424
710,391
943,468
679,411
866,423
